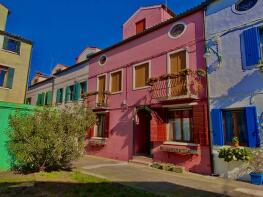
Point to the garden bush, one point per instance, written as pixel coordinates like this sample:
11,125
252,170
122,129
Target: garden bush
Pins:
49,138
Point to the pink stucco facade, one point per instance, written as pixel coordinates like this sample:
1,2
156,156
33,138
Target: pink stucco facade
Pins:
153,47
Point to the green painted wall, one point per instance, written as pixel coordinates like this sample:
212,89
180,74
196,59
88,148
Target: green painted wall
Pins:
5,110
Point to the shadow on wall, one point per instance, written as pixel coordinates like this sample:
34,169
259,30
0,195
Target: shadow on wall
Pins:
250,84
124,126
12,189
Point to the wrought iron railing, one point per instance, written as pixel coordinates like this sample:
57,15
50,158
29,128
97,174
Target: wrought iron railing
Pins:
186,83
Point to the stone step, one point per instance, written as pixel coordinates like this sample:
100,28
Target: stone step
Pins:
141,160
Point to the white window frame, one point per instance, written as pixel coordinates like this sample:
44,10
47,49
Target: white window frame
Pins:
105,61
243,12
119,70
177,23
133,74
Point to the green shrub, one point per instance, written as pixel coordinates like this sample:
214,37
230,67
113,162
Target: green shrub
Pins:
49,138
234,154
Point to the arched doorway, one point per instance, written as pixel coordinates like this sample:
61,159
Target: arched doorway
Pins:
142,131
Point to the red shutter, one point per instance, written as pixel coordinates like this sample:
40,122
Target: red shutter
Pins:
107,124
200,124
90,132
158,128
140,26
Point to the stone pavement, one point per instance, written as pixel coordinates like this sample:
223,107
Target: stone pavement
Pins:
162,182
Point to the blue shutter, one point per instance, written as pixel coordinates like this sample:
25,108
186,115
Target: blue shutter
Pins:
250,46
217,125
252,126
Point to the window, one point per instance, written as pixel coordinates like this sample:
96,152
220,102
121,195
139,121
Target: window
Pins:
177,30
180,122
71,93
234,122
177,86
244,5
11,45
48,98
141,75
140,26
28,101
83,88
102,125
116,81
101,89
59,98
251,47
103,60
6,77
230,123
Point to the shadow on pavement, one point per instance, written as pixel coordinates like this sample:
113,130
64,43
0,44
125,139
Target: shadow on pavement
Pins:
22,189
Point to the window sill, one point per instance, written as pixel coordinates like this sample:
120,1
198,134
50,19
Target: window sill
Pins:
5,50
113,93
97,141
141,88
5,88
179,143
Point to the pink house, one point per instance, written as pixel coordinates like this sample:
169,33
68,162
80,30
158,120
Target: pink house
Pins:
149,91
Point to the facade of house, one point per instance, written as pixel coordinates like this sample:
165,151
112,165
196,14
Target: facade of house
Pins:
66,85
149,91
15,55
234,34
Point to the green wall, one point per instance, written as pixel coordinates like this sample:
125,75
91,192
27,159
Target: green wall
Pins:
5,110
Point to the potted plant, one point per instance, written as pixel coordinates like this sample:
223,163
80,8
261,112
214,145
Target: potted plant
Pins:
235,142
256,167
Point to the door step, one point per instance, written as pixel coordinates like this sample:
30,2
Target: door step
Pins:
141,160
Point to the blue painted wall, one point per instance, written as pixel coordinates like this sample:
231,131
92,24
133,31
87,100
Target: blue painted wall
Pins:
229,85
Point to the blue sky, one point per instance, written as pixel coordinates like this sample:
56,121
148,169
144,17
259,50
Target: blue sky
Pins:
61,29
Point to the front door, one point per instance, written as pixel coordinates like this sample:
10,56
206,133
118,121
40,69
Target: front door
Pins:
142,140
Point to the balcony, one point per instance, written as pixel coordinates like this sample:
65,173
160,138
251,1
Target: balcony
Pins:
186,84
98,100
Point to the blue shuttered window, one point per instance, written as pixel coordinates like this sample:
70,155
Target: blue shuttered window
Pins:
250,46
252,127
217,125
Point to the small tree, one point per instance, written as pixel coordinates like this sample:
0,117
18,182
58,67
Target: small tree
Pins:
49,138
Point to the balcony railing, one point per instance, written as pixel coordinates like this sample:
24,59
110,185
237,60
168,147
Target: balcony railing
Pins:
185,84
97,99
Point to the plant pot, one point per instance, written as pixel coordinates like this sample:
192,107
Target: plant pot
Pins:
256,178
236,144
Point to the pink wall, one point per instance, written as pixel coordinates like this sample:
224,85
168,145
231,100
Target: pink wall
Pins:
154,47
153,16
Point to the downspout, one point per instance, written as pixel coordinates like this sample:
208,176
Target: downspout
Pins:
208,104
52,90
28,72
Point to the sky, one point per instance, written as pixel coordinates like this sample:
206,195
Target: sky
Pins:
61,29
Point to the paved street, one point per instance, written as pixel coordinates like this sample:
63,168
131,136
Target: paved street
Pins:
162,182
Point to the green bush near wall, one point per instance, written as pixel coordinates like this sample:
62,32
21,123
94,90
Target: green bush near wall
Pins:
6,109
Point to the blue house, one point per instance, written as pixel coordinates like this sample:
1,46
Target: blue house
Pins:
234,48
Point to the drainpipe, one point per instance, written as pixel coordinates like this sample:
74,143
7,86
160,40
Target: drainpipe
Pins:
208,106
53,88
28,72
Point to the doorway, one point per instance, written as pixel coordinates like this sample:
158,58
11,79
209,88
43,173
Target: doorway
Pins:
142,133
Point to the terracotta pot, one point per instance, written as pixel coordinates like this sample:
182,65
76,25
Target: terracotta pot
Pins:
236,144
